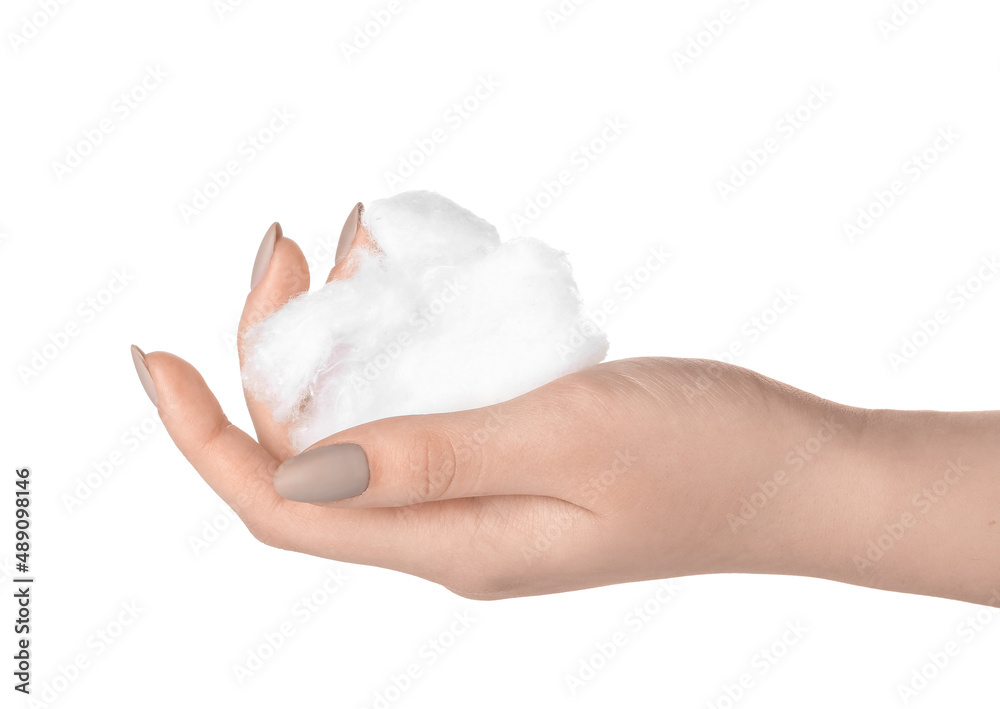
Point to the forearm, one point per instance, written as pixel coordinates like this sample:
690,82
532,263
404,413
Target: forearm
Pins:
899,500
935,479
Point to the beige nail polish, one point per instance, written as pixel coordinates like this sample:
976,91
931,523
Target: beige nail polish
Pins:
323,474
264,254
139,359
348,233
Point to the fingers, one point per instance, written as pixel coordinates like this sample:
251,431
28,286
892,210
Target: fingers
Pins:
280,273
497,450
229,460
240,471
354,235
426,540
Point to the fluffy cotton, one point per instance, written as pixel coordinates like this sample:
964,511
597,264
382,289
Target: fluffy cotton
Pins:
442,317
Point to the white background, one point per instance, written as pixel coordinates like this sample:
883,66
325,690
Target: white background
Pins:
64,236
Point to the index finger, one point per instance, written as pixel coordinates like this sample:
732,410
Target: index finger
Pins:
280,273
241,472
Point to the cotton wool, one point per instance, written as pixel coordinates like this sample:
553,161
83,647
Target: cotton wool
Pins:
442,316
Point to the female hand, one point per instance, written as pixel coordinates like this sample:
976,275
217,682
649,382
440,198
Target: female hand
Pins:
631,470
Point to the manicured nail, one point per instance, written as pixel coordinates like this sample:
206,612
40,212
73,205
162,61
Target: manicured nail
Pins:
323,474
139,358
264,254
349,232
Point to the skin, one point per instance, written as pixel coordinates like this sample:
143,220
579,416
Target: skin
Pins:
631,470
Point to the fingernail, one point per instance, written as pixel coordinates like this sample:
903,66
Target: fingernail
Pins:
349,232
139,358
323,474
264,254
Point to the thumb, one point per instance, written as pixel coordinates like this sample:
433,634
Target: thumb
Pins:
407,460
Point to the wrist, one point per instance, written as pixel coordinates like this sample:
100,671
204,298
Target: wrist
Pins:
929,525
797,510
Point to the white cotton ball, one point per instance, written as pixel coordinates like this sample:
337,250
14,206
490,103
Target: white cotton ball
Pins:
443,317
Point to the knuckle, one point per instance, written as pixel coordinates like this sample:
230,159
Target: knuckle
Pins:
257,507
260,531
486,571
479,584
264,529
476,596
434,463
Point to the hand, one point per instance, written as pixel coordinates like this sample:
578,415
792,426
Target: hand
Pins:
630,470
